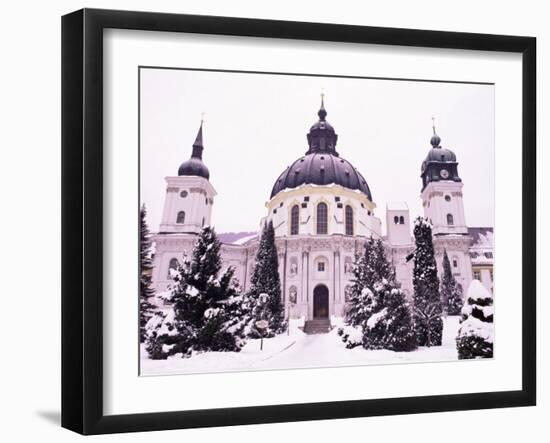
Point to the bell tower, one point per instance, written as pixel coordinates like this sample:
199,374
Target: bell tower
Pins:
442,190
189,195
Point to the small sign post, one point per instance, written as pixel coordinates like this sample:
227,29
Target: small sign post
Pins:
262,326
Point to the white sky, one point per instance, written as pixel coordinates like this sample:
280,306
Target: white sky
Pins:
256,125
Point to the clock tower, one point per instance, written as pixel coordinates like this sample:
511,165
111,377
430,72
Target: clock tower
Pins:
442,190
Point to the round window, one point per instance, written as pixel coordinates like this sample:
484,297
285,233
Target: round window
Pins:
184,194
447,198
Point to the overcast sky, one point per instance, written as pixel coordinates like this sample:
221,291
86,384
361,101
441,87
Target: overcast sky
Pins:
256,125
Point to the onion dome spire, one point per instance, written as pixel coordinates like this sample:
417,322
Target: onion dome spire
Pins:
195,166
198,146
440,163
435,140
321,136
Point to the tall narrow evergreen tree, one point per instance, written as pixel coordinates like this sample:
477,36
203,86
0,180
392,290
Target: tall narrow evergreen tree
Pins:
428,323
146,291
476,331
451,295
207,310
265,280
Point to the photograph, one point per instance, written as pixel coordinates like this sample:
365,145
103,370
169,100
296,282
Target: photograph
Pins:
295,221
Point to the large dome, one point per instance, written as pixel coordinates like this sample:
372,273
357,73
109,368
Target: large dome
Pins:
321,169
321,164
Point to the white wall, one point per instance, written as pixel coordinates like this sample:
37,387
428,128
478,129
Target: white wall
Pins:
30,116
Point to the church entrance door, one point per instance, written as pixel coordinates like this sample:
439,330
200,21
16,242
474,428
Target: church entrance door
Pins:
320,302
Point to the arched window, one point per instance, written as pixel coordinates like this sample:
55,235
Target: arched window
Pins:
401,220
181,217
173,265
349,220
450,220
322,218
396,219
294,220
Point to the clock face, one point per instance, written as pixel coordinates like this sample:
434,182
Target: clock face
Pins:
444,173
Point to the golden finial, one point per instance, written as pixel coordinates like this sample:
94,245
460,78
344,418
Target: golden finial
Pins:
433,124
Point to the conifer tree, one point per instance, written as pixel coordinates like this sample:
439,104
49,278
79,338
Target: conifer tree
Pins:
378,315
383,269
146,291
370,268
361,299
476,331
451,295
428,323
206,308
392,326
265,280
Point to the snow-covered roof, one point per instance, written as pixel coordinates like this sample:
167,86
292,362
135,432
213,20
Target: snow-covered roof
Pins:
481,251
482,237
236,238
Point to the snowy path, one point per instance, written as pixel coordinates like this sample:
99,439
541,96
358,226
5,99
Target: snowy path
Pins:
299,350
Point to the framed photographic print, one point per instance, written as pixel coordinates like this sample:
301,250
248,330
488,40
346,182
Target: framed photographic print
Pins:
273,221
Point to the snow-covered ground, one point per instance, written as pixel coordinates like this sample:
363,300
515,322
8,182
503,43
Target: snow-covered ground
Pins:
299,350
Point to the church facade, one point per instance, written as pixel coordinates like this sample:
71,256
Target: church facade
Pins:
323,211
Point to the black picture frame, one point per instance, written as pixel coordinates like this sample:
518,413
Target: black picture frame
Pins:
82,215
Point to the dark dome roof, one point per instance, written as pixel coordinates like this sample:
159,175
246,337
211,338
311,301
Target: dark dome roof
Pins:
440,155
321,125
437,153
194,166
321,169
321,165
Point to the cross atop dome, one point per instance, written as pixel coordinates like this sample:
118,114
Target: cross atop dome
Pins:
435,140
322,111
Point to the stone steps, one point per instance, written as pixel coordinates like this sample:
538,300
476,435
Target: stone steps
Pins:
317,326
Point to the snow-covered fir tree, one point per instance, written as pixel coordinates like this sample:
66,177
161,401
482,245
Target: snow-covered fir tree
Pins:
476,332
428,324
378,315
369,268
146,291
451,294
206,308
358,305
392,326
265,280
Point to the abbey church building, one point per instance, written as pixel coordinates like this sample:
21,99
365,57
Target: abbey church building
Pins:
323,210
